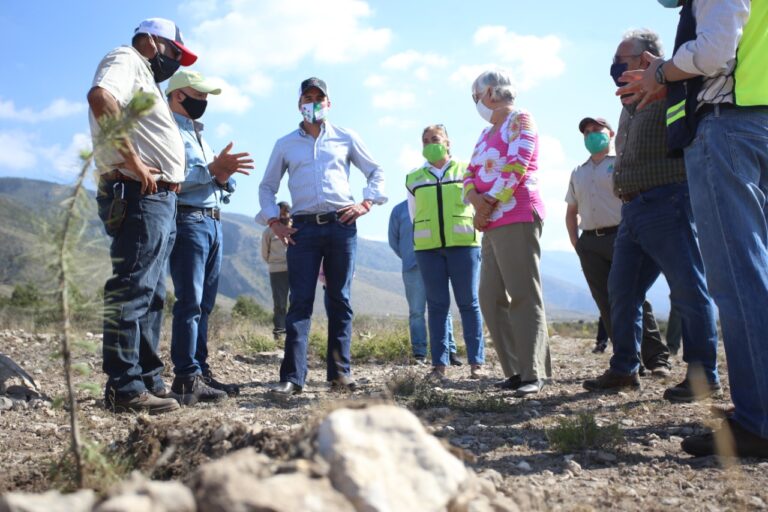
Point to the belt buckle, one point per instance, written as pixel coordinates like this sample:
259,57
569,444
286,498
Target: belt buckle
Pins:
319,221
599,232
215,214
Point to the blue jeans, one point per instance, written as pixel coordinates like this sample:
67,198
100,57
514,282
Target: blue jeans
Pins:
416,296
657,235
195,268
135,294
335,244
728,174
459,266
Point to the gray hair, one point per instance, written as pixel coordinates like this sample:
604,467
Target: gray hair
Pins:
646,40
500,82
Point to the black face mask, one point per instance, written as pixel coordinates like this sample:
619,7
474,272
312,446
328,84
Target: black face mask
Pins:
163,67
194,107
616,71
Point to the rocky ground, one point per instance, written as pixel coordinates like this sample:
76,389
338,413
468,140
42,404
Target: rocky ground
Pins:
486,428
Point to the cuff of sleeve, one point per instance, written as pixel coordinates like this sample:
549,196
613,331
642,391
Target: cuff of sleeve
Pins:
267,213
683,60
374,196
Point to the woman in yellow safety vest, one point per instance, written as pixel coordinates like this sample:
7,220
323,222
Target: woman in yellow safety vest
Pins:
447,249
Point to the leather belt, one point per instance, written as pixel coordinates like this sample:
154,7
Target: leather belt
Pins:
317,218
709,108
213,213
115,175
600,231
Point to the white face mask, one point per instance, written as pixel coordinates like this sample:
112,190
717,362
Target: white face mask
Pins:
314,112
485,112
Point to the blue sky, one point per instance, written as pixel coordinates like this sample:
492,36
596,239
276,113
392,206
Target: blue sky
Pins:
392,68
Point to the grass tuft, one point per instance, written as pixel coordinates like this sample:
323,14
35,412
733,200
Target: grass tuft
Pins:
583,433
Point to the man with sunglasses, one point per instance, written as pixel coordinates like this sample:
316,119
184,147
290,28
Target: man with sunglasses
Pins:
137,202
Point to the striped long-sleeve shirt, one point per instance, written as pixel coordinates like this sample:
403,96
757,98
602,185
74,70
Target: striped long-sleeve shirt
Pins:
504,165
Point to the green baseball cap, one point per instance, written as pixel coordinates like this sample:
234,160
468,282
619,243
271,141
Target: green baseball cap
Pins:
193,79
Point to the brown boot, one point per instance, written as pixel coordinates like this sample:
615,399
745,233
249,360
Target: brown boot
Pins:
612,382
143,402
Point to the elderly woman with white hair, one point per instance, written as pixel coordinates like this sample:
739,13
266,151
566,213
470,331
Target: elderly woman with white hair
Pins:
502,184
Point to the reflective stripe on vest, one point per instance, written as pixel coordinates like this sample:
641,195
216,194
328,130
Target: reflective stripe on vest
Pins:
750,77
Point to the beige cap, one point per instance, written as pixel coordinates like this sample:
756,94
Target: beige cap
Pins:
193,79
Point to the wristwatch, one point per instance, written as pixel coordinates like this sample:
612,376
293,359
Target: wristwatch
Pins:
661,78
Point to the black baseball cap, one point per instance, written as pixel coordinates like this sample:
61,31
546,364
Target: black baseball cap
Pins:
597,120
313,82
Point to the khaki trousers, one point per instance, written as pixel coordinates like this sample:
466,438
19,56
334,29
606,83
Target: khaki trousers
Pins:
512,302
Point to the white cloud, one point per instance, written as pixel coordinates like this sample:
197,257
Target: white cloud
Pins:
223,130
409,157
231,99
199,9
66,160
396,122
18,151
375,81
58,109
394,100
255,36
466,74
411,58
258,84
531,59
554,174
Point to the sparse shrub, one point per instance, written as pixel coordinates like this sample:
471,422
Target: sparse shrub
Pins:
427,396
403,383
583,433
246,308
101,469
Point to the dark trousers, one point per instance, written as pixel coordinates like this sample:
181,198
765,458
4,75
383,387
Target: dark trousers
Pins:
279,283
596,254
134,295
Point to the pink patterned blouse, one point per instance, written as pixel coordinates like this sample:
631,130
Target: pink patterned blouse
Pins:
504,166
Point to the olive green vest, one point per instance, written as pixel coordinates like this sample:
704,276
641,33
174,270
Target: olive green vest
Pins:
442,219
751,78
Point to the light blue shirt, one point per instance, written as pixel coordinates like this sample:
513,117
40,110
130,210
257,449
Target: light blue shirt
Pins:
198,188
401,236
318,172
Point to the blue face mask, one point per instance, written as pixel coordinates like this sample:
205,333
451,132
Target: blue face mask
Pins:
671,3
616,71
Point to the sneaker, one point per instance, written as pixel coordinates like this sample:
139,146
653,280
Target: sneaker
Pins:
143,402
729,440
190,389
685,393
660,371
612,382
527,388
600,346
511,383
419,361
344,384
454,359
476,372
229,389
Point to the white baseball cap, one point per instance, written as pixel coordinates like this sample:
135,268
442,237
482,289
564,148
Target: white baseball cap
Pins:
167,30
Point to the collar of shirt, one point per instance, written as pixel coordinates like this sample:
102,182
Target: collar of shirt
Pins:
438,171
198,188
187,123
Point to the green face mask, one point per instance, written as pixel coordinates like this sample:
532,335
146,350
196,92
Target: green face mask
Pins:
434,152
596,142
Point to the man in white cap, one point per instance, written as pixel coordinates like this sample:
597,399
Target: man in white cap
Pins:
197,253
137,203
317,157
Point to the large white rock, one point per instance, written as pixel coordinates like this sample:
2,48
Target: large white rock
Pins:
139,493
383,460
51,501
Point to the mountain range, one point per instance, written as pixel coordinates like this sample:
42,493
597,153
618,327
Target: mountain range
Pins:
30,212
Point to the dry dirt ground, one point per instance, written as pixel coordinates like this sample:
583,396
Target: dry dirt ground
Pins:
647,471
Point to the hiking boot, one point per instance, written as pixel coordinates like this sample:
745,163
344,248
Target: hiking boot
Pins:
229,389
685,393
600,346
190,389
612,382
285,389
436,375
511,383
729,440
343,383
454,359
476,372
660,371
143,402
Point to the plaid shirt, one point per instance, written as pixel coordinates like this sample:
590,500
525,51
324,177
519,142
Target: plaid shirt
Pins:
641,151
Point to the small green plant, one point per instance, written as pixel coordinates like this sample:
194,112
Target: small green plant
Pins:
246,308
403,383
427,396
258,343
583,433
101,469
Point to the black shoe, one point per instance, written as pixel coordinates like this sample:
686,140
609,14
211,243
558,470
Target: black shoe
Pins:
190,389
454,359
229,389
511,383
343,383
684,392
612,382
156,387
143,402
734,440
285,389
600,346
